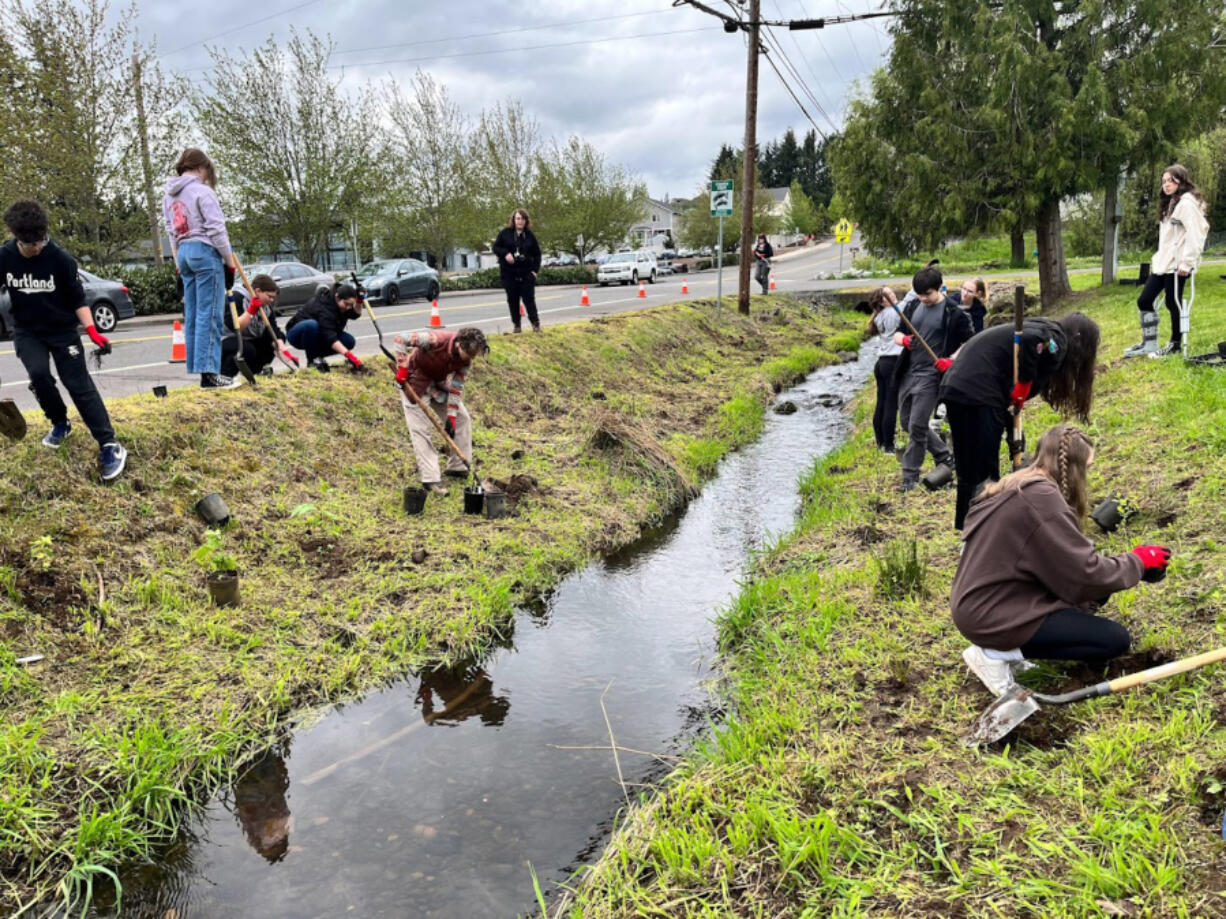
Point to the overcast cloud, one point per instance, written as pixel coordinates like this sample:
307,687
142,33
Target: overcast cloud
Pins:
659,104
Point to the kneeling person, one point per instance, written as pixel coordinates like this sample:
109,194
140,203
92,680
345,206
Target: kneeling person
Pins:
253,333
318,328
435,365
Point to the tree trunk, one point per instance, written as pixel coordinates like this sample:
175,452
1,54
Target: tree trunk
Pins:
1053,271
1017,247
1112,215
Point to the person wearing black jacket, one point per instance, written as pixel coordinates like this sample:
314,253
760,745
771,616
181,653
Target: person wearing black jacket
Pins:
318,328
48,302
519,259
945,327
971,297
257,344
1055,360
763,252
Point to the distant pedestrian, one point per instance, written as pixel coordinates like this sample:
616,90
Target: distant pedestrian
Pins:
519,259
1056,360
972,297
318,328
197,228
47,302
763,252
882,326
1182,229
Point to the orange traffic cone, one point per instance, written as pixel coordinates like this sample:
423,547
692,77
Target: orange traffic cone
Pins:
436,321
642,291
178,345
522,311
685,285
772,280
583,300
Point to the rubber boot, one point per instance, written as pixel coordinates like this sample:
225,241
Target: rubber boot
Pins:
1149,335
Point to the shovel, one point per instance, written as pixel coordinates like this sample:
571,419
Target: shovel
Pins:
918,337
1019,703
12,422
1017,443
276,345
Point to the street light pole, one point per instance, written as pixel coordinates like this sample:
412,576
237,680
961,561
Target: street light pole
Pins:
751,157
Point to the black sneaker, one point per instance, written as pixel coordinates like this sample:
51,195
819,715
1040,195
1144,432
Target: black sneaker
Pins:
218,381
320,364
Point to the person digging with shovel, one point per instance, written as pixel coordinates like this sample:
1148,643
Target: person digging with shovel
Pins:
255,337
1029,580
48,303
435,365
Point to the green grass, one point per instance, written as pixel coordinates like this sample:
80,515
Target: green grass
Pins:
840,786
149,696
982,253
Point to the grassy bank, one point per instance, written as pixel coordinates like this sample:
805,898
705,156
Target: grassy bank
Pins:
147,694
840,786
985,253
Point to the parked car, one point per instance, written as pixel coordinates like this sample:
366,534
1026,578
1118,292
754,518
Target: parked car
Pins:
108,300
392,280
297,283
566,259
628,268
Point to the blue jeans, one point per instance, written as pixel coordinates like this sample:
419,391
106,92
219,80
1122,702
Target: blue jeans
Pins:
305,337
200,266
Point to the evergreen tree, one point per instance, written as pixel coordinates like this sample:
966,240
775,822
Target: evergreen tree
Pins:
724,164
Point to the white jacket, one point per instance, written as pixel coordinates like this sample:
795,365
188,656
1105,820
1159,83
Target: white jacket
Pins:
1181,238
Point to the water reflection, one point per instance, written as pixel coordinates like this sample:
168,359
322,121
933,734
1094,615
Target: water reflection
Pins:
261,808
462,692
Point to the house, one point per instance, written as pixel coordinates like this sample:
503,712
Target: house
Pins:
660,220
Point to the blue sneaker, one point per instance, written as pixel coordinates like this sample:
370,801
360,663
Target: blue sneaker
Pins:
57,434
112,460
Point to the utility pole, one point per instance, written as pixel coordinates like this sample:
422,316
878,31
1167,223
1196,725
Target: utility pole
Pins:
751,159
147,169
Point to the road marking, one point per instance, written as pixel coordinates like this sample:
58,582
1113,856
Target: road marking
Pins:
99,372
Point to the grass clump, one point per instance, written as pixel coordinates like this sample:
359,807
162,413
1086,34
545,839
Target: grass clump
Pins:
618,420
840,786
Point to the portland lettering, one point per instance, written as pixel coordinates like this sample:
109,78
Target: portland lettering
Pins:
29,285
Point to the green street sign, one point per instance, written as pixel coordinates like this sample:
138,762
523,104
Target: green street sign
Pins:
721,198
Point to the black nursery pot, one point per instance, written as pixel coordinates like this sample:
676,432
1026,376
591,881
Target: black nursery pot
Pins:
474,499
414,500
160,392
496,505
1108,514
223,588
1221,349
213,510
939,477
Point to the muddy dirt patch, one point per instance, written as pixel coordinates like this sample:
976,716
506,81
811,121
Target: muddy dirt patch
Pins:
52,593
327,555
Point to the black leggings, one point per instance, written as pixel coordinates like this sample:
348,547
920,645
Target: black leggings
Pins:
522,288
885,415
1165,284
976,431
1075,635
36,352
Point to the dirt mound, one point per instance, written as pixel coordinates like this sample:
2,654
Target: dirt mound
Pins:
636,445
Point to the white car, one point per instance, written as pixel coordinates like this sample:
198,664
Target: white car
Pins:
628,268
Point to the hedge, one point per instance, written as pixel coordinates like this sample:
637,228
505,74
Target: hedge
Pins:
153,289
489,277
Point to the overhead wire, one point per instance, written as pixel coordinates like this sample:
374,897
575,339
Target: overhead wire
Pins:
816,79
256,22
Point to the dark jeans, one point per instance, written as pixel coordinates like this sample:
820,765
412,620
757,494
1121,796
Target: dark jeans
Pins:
305,337
976,431
257,353
36,352
917,397
1165,284
885,415
1075,635
522,288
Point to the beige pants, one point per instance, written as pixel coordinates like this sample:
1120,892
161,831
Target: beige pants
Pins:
421,431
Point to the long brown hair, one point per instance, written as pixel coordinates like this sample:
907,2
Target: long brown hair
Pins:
1070,391
1063,455
877,301
193,158
1166,203
527,219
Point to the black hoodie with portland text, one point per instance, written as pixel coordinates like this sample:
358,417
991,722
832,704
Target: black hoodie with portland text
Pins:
45,291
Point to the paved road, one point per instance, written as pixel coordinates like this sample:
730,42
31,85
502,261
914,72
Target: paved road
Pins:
139,361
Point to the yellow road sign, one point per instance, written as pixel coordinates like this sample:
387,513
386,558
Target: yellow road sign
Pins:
842,231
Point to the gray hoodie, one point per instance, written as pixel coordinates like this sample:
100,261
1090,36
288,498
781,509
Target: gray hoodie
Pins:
193,214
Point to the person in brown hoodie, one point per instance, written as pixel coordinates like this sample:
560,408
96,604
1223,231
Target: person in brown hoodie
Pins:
1029,578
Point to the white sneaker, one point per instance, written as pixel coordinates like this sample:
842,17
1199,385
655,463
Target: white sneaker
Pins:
997,676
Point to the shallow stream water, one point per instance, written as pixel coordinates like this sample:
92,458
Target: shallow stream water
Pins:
432,798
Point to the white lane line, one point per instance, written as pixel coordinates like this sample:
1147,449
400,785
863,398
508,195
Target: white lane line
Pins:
99,372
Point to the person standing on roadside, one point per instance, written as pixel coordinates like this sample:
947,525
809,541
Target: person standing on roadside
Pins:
47,302
519,259
763,252
197,229
1182,229
882,326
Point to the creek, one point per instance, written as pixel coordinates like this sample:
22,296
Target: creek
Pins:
433,797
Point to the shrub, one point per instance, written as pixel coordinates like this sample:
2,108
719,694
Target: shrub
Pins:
153,289
489,277
730,260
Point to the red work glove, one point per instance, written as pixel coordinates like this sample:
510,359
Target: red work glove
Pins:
402,374
1019,395
254,306
1155,559
908,342
353,359
943,364
96,338
449,427
289,357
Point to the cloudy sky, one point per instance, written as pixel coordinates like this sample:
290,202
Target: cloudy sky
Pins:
656,88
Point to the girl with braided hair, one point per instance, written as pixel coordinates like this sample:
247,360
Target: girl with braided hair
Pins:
1029,580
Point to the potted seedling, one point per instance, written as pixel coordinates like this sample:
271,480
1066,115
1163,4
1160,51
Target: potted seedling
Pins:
221,569
1112,511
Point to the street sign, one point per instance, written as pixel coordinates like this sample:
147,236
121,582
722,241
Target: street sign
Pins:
842,231
721,198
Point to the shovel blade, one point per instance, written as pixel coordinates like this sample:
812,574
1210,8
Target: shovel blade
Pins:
1002,716
12,422
243,368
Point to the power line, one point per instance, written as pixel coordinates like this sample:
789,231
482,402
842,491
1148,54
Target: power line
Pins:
770,60
241,28
816,79
773,41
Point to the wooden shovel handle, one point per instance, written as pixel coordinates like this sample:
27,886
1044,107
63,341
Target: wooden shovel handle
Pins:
1119,684
918,337
438,426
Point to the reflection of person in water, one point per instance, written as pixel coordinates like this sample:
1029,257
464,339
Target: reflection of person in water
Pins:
463,691
261,808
